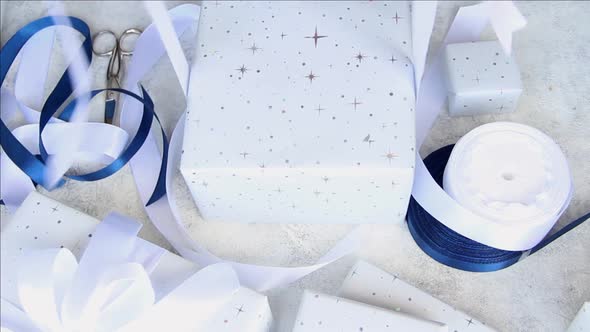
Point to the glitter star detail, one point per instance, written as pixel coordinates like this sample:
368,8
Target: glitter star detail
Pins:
283,35
393,59
244,154
242,70
390,156
311,77
240,310
469,321
501,108
360,57
254,48
477,79
320,109
397,18
54,208
355,103
315,37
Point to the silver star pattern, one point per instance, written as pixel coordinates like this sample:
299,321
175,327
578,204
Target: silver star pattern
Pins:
320,109
242,70
360,57
254,48
311,77
397,18
355,103
315,37
371,99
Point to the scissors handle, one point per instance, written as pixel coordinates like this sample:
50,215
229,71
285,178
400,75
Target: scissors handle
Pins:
115,54
109,50
127,33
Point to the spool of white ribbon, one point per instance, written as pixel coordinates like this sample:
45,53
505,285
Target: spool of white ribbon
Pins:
511,174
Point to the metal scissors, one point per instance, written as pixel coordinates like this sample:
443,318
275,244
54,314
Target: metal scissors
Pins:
116,53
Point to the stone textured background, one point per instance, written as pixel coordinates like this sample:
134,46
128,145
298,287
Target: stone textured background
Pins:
542,293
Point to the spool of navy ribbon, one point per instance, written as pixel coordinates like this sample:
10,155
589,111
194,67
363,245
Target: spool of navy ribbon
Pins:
34,166
453,249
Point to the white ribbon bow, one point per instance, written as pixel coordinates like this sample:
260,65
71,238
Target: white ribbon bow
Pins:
110,289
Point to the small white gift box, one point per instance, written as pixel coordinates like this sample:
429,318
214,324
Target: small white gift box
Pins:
369,284
42,223
301,112
320,312
481,79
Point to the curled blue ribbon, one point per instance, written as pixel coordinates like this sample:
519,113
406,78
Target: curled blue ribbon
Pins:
34,166
455,250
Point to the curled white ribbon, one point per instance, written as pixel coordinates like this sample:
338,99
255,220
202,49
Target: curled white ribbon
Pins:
110,290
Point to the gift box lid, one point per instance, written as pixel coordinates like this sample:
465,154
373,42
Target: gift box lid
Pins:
304,84
320,312
480,66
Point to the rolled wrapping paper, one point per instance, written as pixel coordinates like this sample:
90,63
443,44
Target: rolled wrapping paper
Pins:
511,174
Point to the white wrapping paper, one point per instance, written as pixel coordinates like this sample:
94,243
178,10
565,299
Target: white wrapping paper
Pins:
581,322
303,112
320,312
41,223
369,284
481,79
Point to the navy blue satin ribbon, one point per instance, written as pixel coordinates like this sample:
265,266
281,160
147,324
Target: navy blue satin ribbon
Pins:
453,249
35,167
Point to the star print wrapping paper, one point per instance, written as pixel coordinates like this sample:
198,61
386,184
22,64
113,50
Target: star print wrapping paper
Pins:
42,223
320,312
368,284
301,112
481,79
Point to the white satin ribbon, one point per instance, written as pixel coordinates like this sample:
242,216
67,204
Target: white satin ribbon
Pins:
467,26
512,175
110,290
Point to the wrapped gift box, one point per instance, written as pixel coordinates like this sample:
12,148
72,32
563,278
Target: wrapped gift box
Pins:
320,312
481,79
301,112
42,223
369,284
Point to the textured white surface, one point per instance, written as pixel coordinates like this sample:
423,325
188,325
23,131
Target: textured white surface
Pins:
542,293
